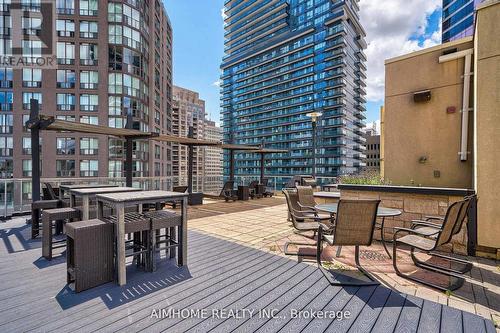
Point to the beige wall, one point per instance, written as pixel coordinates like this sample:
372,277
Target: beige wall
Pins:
487,85
413,130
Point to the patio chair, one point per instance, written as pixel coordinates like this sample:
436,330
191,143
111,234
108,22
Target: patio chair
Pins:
173,204
228,192
306,197
428,243
253,189
428,227
353,226
267,193
303,220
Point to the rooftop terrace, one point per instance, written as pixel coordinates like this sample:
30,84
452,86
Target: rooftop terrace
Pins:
235,262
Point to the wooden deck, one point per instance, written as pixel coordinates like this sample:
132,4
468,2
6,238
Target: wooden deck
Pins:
221,276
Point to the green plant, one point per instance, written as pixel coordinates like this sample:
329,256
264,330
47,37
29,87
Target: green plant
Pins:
366,178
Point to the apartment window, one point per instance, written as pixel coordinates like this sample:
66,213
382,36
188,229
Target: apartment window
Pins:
93,120
66,118
27,146
65,168
6,100
65,53
157,118
6,146
27,168
65,146
89,102
88,29
88,54
6,47
157,152
32,78
5,22
116,148
89,79
28,96
115,169
66,78
65,7
31,25
124,35
88,7
65,102
89,146
31,5
32,50
6,77
65,28
89,168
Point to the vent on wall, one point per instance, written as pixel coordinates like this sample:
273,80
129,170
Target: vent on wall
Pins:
422,96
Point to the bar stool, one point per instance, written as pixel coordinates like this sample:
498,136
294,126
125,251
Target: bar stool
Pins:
168,221
49,217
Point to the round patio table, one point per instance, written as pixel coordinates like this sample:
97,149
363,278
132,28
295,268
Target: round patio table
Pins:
382,212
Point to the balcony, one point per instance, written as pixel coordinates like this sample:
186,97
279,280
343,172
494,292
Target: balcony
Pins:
32,84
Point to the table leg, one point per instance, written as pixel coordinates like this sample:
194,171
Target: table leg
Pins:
86,207
72,200
100,209
120,245
382,237
183,234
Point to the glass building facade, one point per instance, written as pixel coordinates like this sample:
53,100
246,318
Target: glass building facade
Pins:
284,59
458,19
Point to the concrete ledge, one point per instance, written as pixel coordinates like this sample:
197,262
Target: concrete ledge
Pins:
408,189
332,195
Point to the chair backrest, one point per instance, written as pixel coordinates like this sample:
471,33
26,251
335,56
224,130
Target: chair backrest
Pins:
292,203
452,220
228,186
306,196
355,222
463,214
253,184
50,192
265,181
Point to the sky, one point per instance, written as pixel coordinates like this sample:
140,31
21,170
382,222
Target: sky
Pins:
393,27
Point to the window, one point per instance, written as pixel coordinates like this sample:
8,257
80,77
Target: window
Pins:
65,146
65,168
27,168
88,54
32,49
116,148
6,100
32,78
89,168
88,7
27,146
89,79
93,120
31,5
88,29
66,118
5,22
89,102
6,146
6,77
65,7
115,169
28,96
65,28
65,102
66,78
65,53
89,146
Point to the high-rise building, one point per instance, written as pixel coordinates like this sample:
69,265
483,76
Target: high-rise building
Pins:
114,58
284,59
188,121
213,159
458,19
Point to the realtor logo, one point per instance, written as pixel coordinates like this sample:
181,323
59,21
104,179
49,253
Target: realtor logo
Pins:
28,34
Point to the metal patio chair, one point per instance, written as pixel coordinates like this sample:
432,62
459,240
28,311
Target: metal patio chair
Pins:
228,192
253,189
428,227
428,241
354,225
303,220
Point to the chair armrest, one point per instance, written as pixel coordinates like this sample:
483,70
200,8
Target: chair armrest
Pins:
325,227
411,231
426,223
308,207
427,218
45,204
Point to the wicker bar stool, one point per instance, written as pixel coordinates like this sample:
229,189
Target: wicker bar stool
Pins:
50,218
138,227
171,239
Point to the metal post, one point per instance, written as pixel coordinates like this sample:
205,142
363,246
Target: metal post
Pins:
472,228
128,153
314,147
35,151
231,165
190,161
262,160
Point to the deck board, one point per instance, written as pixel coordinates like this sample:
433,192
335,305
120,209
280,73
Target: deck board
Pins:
221,275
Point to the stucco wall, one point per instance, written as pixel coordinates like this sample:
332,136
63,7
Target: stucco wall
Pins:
414,130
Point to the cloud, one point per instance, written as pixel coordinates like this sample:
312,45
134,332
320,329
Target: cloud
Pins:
217,83
223,14
392,27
